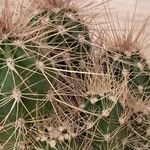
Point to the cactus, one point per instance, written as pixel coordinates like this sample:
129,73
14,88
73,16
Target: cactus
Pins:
108,129
134,69
118,120
120,58
65,32
23,84
31,67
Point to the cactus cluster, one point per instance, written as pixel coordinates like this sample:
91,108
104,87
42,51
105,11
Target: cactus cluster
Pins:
61,89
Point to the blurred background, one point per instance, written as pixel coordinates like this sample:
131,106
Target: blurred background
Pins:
124,7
